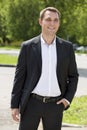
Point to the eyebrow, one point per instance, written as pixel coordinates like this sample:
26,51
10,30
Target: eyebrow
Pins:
50,18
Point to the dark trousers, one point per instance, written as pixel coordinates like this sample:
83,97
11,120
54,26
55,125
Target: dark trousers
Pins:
50,113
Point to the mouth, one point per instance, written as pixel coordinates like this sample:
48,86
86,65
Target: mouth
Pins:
51,28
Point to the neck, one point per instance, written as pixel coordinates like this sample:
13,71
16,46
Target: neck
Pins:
48,39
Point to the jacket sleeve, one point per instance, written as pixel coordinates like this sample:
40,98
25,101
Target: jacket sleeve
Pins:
19,78
72,77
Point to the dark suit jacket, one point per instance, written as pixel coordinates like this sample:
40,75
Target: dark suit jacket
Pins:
28,71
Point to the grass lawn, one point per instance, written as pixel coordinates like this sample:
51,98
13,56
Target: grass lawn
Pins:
8,59
9,48
77,113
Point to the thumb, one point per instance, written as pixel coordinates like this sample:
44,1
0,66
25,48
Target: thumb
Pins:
59,102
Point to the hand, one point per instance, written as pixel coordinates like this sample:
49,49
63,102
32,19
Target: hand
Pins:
15,114
65,103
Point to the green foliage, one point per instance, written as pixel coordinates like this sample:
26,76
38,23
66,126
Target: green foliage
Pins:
19,19
3,20
23,19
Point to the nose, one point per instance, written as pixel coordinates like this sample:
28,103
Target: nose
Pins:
52,22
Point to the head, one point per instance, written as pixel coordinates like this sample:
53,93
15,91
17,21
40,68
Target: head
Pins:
52,9
49,21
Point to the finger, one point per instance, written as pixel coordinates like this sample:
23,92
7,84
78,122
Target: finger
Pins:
15,114
16,117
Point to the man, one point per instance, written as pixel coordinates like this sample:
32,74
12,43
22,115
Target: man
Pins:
46,77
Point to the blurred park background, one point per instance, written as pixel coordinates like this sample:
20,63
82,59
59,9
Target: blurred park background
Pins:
19,22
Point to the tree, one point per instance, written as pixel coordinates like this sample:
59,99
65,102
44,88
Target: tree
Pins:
19,19
73,25
3,22
23,18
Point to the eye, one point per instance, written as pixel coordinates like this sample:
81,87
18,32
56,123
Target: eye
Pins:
48,20
56,20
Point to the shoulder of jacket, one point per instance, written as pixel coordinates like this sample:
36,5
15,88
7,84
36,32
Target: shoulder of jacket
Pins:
63,41
30,41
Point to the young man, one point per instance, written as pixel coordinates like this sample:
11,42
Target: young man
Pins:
46,77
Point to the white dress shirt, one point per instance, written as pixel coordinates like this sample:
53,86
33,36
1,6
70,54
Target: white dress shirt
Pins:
48,83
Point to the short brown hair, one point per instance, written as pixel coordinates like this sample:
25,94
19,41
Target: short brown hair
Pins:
49,9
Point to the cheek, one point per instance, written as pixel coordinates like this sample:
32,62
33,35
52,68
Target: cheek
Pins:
44,25
57,26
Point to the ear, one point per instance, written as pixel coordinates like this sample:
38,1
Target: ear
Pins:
40,21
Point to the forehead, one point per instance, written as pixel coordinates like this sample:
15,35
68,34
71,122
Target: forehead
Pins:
50,14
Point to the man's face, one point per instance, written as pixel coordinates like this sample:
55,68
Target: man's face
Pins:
50,23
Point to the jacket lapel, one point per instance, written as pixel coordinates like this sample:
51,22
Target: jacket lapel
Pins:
37,50
59,52
59,48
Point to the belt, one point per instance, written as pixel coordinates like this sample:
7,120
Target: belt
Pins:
45,99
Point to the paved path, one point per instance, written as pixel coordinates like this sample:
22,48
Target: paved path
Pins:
6,81
10,52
